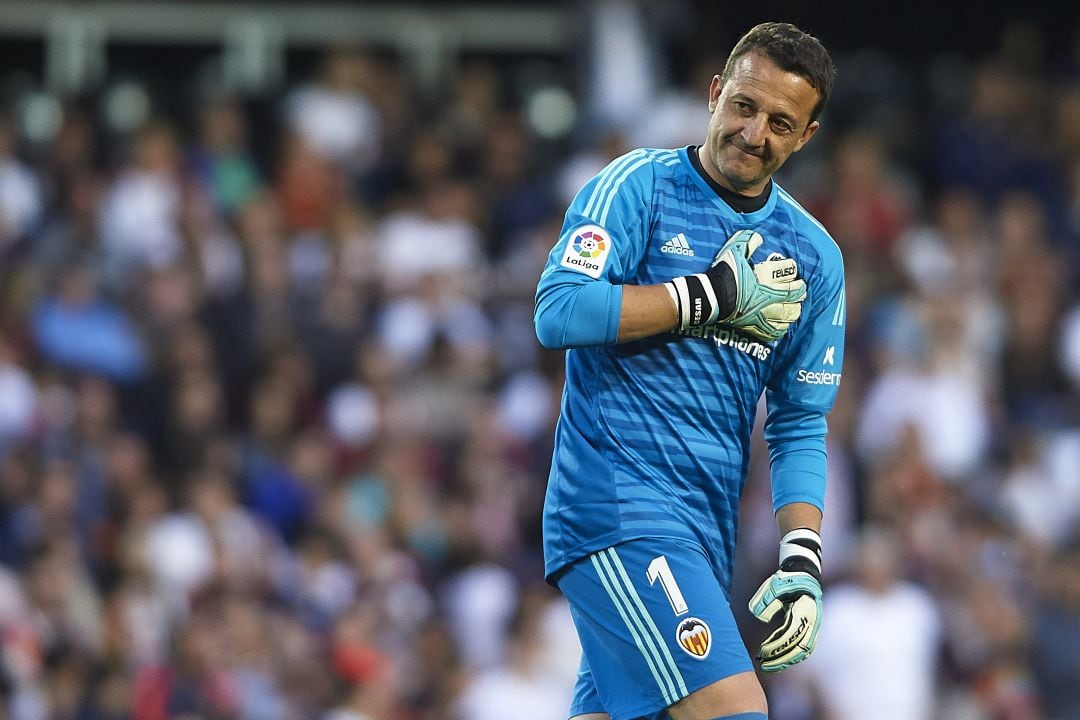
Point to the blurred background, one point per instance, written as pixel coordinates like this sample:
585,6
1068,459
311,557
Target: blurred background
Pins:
274,425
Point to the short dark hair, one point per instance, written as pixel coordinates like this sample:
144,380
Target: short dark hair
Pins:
793,51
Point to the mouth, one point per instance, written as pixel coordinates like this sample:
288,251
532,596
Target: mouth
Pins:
760,155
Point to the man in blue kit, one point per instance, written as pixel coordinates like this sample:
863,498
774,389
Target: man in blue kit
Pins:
684,284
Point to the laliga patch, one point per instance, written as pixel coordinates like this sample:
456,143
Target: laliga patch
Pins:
587,250
694,637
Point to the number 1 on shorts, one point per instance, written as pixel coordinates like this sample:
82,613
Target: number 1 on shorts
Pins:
659,569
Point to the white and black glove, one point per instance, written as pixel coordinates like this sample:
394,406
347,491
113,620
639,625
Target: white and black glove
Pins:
762,300
794,589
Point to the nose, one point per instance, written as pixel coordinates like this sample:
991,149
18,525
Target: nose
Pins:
753,133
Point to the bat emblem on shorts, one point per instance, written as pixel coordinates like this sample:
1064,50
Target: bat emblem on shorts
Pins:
694,637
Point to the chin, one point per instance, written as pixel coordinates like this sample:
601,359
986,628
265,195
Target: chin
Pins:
744,167
739,181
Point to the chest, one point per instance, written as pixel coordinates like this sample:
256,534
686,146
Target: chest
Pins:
685,234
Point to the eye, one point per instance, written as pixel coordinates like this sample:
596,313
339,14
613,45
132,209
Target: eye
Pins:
743,107
781,128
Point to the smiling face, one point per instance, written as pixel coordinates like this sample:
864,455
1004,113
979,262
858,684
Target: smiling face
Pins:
759,118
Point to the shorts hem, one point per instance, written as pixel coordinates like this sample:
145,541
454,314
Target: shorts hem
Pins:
651,710
574,711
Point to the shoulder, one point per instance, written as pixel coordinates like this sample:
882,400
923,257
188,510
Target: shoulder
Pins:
629,180
643,156
640,166
811,230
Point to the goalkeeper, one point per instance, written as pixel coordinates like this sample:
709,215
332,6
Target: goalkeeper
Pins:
684,284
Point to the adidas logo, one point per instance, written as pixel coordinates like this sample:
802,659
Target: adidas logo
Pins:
678,245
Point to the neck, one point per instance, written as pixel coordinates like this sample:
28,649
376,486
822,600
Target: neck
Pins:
707,164
737,202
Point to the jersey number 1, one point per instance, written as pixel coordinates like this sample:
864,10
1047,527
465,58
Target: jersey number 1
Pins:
660,570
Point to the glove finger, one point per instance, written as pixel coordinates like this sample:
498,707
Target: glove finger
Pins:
798,631
753,243
783,312
775,272
778,329
777,296
773,661
794,640
769,331
782,662
767,611
775,666
794,290
725,255
764,604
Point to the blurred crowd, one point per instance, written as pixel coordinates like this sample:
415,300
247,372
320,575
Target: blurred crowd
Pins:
275,427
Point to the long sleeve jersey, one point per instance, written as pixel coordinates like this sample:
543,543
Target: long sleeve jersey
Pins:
653,437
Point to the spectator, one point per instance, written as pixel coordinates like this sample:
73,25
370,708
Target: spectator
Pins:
140,214
220,161
522,682
78,328
1056,630
18,398
334,116
21,196
879,657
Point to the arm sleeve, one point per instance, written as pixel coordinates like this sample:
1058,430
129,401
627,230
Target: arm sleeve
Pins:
797,457
603,237
802,391
578,315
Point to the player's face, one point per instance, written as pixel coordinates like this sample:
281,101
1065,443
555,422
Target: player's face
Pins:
759,118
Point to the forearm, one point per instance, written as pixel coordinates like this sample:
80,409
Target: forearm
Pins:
798,515
646,310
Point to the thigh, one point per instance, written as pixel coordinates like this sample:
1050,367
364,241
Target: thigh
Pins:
655,625
586,702
739,696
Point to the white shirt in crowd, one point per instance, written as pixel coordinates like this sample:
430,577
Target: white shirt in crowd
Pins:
877,656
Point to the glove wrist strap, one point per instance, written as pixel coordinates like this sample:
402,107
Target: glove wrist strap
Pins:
703,298
695,300
800,551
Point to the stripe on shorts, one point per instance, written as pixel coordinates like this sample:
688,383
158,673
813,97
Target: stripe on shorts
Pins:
641,626
652,625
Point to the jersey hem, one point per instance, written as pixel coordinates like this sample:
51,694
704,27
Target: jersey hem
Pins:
560,562
783,500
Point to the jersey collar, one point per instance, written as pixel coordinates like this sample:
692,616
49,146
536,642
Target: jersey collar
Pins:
743,219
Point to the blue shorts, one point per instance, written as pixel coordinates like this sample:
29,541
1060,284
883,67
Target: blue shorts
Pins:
655,625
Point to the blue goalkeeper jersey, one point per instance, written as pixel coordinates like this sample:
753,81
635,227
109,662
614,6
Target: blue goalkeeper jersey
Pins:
654,435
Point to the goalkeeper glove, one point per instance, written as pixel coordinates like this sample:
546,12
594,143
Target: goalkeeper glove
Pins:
761,300
796,589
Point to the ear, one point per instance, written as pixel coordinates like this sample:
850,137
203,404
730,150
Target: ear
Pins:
715,87
807,134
